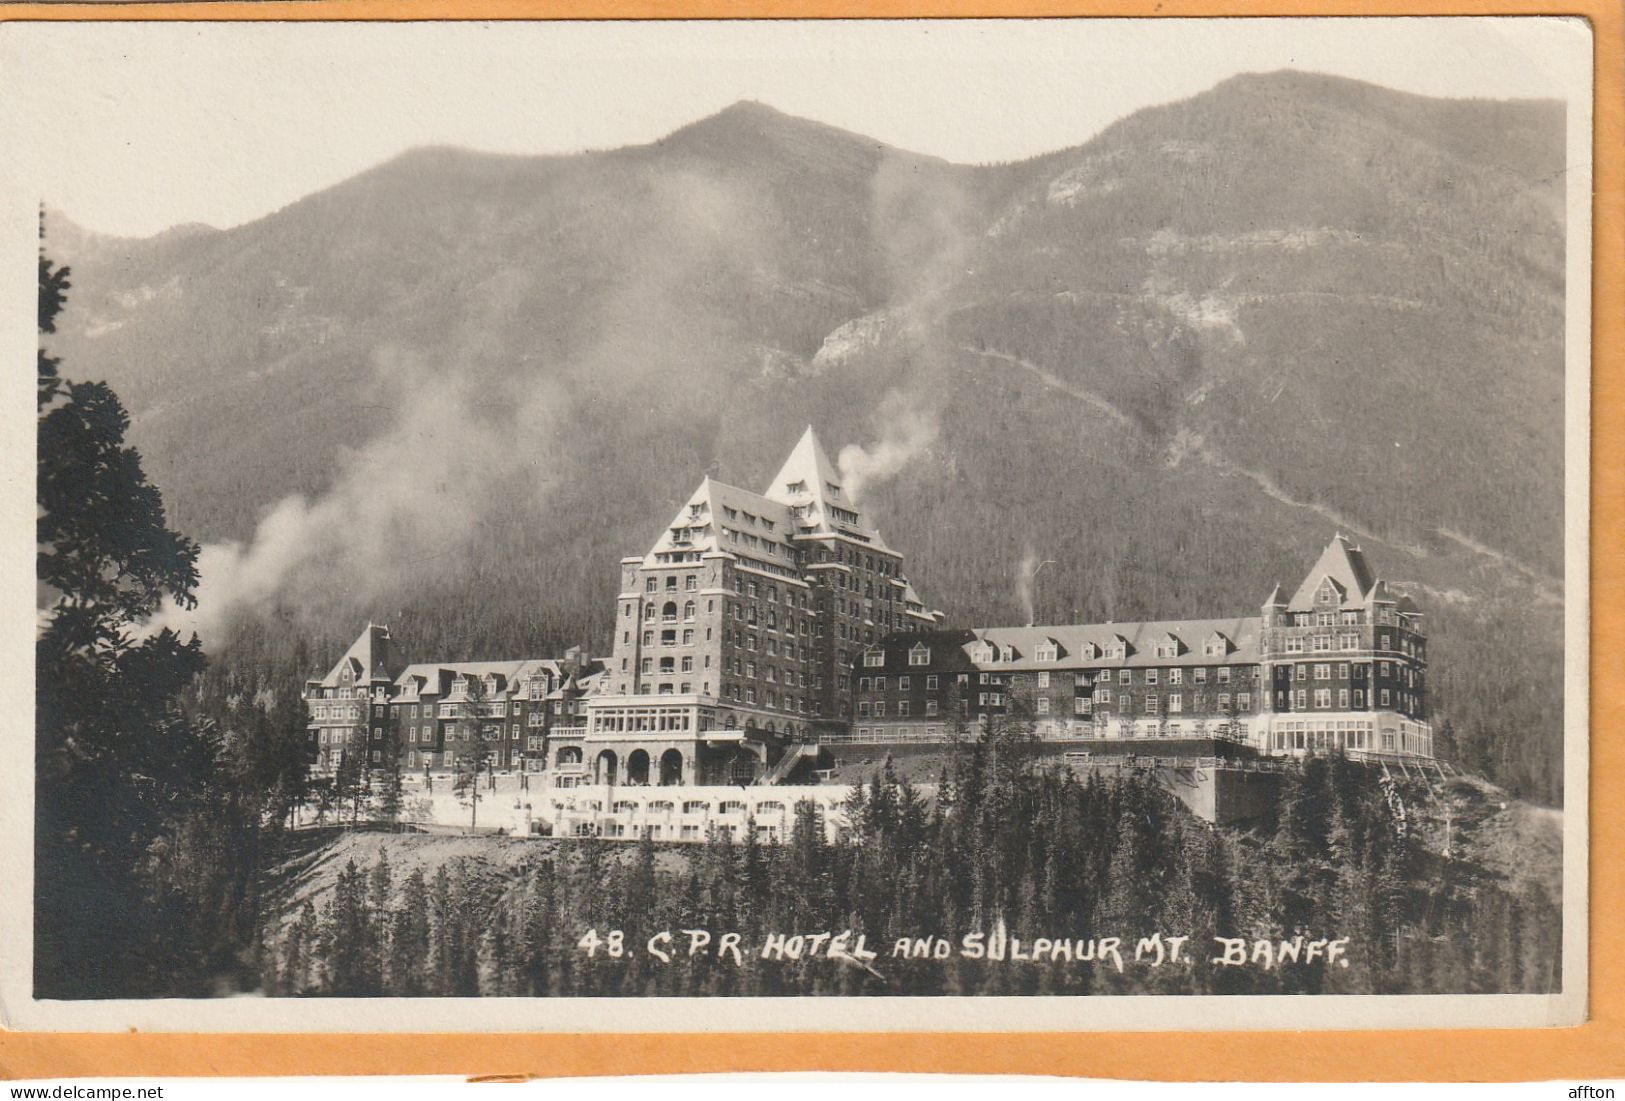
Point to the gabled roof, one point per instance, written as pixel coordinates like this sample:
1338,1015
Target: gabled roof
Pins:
1344,564
370,657
808,476
721,506
1141,639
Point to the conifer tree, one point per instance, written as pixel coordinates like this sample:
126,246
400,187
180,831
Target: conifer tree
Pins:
115,763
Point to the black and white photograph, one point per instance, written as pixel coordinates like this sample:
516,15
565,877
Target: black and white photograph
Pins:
1049,524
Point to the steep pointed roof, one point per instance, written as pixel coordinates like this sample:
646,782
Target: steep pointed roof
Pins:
812,486
1345,565
807,472
722,518
370,657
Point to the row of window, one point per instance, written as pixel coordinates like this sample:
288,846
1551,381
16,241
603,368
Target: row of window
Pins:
1300,699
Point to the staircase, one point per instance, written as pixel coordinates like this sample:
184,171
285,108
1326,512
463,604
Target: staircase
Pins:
793,754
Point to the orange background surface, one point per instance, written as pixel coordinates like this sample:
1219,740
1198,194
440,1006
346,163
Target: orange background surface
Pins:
1591,1051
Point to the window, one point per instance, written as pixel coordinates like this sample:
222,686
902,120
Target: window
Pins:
1387,698
919,655
880,684
1105,695
1043,705
1343,698
1176,676
902,709
880,709
1302,672
1124,677
876,659
1359,698
930,707
1224,674
1348,642
1323,672
1176,703
1200,674
931,682
1294,645
1300,699
1151,705
1224,701
1043,679
1323,697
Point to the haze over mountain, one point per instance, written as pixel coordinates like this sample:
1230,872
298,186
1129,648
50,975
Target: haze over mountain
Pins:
452,392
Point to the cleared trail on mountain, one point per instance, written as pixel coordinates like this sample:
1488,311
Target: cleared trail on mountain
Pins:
1548,587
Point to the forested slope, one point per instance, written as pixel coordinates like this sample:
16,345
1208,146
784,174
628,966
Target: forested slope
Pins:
1000,847
1173,360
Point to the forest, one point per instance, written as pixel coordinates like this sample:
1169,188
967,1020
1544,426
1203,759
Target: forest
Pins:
1001,846
164,783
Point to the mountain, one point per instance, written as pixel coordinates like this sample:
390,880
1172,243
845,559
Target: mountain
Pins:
451,392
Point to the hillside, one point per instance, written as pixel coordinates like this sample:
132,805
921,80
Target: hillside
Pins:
1172,360
1344,854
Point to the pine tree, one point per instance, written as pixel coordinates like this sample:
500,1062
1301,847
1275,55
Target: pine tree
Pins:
115,764
472,751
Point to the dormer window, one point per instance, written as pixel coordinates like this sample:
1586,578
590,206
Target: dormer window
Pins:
832,489
1217,646
1008,653
920,654
1168,647
1046,651
982,653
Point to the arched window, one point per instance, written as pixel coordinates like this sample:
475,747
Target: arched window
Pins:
688,610
669,611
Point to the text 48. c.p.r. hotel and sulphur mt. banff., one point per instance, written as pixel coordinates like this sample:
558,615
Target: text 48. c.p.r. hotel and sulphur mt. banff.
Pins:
1157,950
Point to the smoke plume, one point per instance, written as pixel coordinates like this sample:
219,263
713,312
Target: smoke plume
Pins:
407,502
908,433
1024,584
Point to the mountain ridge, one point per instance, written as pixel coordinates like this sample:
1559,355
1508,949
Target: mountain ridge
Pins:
1282,301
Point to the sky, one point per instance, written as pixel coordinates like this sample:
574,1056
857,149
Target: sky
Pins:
132,128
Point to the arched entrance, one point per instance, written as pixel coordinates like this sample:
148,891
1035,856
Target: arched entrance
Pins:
671,768
604,770
569,755
637,767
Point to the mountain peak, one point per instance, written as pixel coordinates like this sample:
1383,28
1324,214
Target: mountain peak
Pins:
753,126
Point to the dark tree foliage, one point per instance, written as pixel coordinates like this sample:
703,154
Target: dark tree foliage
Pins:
156,780
115,764
1005,849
